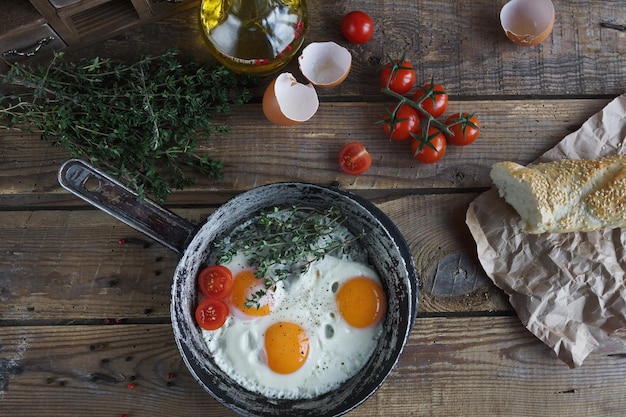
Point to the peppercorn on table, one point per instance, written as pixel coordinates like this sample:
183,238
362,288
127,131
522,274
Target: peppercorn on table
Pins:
85,300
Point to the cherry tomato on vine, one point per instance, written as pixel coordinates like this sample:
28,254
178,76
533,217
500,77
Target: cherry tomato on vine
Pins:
398,76
357,27
401,122
354,159
435,99
465,128
211,314
430,148
215,281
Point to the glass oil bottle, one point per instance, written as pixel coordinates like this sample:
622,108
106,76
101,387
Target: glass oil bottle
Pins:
254,36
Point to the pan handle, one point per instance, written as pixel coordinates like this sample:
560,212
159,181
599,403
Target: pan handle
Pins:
110,196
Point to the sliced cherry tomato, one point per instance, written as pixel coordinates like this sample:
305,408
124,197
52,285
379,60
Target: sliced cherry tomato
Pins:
357,27
430,148
215,281
401,122
465,129
354,159
211,314
435,99
398,76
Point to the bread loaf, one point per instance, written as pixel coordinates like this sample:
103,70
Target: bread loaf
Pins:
567,195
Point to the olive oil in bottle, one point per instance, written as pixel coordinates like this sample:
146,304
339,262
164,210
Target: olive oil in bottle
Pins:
254,36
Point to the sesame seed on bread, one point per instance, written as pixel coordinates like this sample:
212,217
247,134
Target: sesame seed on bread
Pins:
568,195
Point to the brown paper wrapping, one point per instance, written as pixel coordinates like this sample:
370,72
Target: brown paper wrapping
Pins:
567,289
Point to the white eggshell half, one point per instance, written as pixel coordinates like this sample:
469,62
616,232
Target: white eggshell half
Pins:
527,22
287,102
325,64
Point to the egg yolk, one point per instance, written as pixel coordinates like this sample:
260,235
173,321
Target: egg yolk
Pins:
245,285
286,347
361,302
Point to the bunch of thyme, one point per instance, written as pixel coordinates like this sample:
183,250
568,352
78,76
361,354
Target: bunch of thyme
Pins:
280,243
139,121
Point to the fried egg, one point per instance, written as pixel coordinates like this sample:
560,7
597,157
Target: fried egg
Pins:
305,338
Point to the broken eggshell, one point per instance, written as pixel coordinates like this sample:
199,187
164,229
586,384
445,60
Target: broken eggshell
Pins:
325,64
527,22
286,102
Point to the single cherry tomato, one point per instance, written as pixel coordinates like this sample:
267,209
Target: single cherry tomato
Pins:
401,122
357,27
431,148
211,314
465,129
398,76
354,159
435,99
215,281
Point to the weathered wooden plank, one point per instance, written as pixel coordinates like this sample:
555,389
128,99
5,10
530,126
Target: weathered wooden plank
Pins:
64,265
474,59
516,130
68,265
473,367
444,251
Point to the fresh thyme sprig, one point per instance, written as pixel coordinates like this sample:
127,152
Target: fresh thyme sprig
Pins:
280,243
141,121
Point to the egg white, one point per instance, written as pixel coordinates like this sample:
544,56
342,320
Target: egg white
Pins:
337,351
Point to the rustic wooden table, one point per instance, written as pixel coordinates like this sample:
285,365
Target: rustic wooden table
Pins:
82,317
